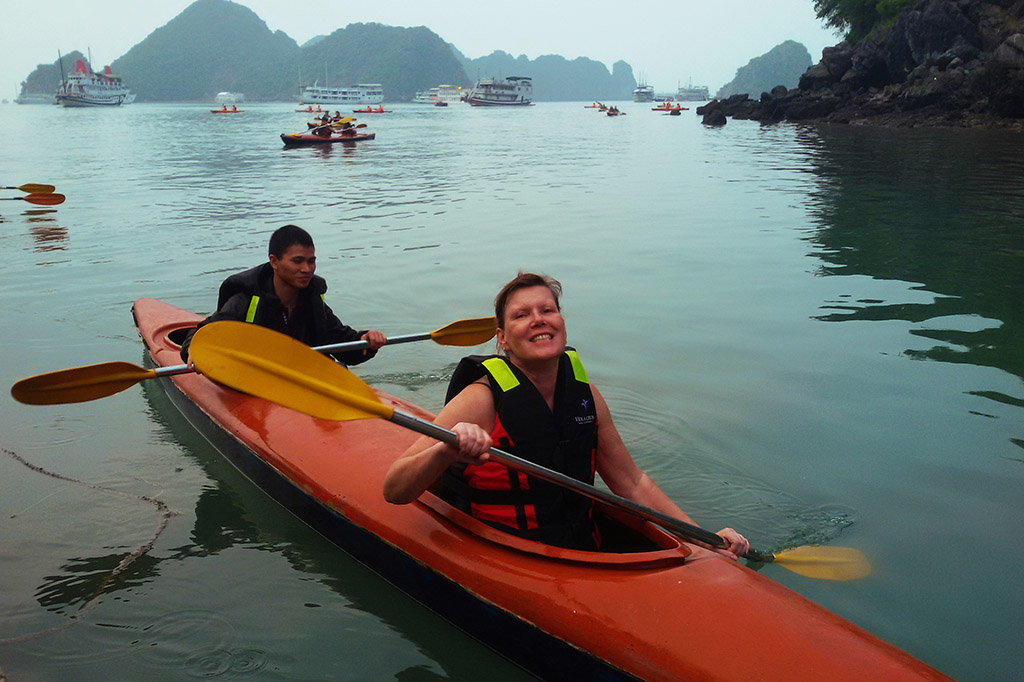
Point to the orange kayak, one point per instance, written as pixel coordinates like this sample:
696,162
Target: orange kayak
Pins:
663,611
227,111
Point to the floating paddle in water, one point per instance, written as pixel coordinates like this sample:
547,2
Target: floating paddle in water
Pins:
275,367
92,382
41,199
33,188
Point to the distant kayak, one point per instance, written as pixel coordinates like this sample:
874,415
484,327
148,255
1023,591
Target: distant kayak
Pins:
227,111
300,139
371,111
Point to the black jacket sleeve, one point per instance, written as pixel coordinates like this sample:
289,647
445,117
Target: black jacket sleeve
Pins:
337,331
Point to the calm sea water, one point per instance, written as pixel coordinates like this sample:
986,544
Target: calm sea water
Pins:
810,334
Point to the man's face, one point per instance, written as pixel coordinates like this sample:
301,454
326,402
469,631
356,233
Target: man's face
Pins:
295,267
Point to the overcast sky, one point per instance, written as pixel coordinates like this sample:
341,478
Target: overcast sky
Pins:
668,41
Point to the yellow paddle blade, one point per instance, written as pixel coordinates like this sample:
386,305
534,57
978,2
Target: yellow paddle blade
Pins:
44,199
79,384
33,188
825,563
466,332
275,367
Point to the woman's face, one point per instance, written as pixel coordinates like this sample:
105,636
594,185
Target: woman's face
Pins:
533,328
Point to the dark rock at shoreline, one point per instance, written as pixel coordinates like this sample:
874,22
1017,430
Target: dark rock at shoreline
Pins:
956,63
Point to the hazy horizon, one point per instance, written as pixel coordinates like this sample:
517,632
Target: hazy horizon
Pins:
667,43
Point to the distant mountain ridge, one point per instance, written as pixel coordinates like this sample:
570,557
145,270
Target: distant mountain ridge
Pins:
215,45
782,65
555,78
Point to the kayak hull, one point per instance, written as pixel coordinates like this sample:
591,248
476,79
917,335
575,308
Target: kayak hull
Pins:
670,612
305,139
229,111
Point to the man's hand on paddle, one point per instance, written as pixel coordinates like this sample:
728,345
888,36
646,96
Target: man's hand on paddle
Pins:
375,338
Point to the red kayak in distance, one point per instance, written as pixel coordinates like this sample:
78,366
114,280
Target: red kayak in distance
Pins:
227,111
371,111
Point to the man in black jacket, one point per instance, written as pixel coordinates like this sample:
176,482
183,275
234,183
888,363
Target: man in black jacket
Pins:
284,295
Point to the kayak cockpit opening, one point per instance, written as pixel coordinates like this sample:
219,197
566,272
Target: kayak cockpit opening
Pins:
176,337
628,541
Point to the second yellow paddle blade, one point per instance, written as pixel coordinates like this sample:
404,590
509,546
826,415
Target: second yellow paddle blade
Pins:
275,367
826,563
79,384
466,332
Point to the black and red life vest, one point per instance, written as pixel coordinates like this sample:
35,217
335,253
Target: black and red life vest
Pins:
564,440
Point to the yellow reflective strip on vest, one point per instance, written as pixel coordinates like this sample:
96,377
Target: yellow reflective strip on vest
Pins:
501,373
250,315
577,367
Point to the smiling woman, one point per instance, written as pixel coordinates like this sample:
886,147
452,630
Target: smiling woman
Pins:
536,402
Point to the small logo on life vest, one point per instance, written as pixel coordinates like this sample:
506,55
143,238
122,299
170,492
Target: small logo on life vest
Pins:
585,407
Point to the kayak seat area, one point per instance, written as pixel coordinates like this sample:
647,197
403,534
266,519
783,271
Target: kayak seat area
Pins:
177,337
619,538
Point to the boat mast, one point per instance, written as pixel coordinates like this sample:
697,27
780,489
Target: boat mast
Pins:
60,61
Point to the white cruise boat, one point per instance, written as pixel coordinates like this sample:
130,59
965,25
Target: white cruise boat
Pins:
364,93
35,98
448,94
229,98
490,92
425,96
643,93
693,93
85,88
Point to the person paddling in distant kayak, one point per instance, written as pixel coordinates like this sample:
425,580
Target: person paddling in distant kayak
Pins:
534,401
284,295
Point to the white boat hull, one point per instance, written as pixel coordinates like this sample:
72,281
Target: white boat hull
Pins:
484,102
95,101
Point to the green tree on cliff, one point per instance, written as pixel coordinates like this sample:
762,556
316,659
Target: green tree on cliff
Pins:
856,18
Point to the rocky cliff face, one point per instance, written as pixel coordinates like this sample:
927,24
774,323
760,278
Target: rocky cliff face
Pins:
782,65
942,63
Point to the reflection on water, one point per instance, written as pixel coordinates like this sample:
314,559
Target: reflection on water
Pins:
233,513
49,237
892,205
